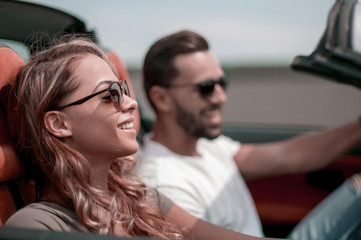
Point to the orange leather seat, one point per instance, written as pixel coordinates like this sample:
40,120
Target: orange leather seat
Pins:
14,191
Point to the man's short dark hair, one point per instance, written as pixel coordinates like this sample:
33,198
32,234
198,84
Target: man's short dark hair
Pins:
158,67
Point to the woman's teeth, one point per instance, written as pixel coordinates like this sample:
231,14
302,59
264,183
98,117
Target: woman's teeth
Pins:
126,125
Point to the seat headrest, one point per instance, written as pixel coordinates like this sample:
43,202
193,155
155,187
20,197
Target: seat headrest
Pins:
10,63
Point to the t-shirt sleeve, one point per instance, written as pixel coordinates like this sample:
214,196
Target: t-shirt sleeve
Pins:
36,219
160,201
183,198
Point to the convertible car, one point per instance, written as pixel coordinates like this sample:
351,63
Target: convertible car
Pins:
281,201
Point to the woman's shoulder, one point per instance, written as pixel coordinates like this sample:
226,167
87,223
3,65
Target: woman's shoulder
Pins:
45,216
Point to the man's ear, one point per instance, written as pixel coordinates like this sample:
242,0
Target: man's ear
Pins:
56,124
160,98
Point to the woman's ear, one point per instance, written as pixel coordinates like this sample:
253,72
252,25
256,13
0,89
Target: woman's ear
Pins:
160,98
56,124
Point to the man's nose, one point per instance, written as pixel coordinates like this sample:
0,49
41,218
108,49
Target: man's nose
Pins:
219,95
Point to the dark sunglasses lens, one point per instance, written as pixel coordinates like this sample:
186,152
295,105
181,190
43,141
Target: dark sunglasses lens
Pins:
206,88
116,93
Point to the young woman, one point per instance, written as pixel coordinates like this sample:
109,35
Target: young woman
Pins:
72,120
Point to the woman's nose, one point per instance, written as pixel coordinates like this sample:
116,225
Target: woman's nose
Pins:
129,104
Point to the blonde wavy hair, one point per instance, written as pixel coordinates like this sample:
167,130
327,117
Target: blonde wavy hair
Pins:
39,87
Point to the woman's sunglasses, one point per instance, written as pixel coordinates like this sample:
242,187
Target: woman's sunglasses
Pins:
205,88
116,91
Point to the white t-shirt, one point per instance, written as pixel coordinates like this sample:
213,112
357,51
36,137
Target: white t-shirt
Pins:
210,186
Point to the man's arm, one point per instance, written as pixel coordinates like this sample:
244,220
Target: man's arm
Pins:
302,153
193,227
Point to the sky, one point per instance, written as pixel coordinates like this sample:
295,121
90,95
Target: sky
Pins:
240,32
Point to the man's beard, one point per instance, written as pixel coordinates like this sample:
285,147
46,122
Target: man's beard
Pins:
190,125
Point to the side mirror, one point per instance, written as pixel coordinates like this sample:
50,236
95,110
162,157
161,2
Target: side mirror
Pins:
338,54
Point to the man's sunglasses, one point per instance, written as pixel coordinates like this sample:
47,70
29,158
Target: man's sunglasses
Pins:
205,88
115,91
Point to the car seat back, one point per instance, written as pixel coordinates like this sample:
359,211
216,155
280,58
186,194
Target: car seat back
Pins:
15,192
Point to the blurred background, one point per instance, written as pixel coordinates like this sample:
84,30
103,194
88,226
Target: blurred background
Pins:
255,41
241,32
